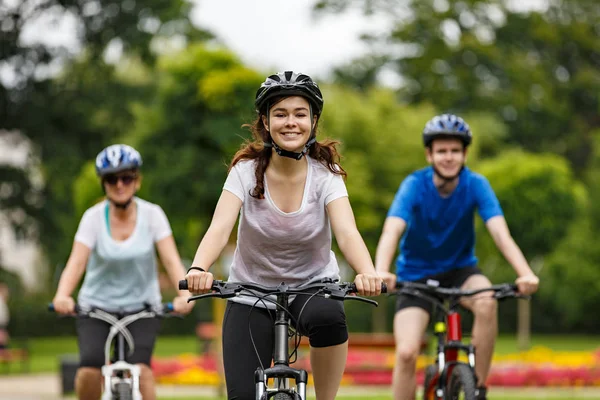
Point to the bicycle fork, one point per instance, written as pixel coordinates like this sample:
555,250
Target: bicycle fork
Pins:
281,371
447,350
120,368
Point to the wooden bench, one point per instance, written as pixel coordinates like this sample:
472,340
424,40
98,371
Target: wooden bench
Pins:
14,355
373,340
206,332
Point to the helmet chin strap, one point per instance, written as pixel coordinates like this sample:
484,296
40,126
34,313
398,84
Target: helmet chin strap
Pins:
122,206
291,154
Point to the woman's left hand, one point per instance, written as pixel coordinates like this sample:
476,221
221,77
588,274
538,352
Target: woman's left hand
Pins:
181,305
368,284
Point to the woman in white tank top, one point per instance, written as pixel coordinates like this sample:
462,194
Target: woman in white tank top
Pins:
115,246
288,191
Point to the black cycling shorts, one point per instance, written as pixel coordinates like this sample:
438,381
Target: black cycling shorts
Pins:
451,279
323,321
92,334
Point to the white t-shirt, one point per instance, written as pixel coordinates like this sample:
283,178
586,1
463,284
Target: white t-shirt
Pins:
274,246
122,275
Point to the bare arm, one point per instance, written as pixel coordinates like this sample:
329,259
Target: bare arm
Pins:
74,269
353,247
527,281
167,251
217,236
393,228
70,277
213,242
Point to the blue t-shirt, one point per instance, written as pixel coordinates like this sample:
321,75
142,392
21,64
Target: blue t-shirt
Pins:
440,231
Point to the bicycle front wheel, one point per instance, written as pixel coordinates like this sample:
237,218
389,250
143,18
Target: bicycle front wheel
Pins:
123,391
286,396
429,384
462,383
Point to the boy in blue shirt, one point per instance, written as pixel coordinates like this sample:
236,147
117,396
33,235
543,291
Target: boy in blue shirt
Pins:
434,208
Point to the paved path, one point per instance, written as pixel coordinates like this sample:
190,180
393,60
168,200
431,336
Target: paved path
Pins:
47,387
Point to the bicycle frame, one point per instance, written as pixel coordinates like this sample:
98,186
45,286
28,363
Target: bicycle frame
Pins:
120,371
280,372
121,380
440,379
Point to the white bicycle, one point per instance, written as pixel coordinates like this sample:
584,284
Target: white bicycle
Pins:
121,377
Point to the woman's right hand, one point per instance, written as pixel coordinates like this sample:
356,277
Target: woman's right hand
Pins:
199,281
64,305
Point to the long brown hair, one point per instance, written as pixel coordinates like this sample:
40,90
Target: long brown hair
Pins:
325,152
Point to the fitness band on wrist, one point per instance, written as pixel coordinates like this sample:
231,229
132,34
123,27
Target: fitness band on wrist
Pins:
198,268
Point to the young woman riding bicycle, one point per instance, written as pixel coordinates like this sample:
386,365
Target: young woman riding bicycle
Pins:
115,247
289,188
434,208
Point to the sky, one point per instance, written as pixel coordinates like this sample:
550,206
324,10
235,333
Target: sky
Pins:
268,35
276,35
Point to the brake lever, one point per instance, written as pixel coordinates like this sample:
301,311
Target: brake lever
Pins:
364,300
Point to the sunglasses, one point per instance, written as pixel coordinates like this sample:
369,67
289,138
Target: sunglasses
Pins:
126,179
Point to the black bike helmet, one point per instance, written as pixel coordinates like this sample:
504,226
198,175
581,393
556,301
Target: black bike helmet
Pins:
289,83
447,125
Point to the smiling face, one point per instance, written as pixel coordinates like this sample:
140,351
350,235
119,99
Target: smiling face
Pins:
447,156
121,186
289,123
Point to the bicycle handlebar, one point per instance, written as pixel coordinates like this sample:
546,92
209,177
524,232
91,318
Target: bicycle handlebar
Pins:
501,291
80,311
327,287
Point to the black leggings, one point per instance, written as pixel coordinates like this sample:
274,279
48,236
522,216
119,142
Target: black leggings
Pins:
92,334
323,321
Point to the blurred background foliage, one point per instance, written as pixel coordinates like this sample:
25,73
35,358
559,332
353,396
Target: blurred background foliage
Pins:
528,83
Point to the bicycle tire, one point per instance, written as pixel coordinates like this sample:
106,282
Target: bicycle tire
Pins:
283,396
430,373
123,391
461,385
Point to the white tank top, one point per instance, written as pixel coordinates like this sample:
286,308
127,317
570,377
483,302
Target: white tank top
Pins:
274,246
122,275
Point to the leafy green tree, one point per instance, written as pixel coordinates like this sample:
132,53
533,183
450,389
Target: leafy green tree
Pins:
536,70
188,133
541,201
68,119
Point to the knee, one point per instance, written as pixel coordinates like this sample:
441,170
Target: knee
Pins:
88,377
145,372
407,355
88,373
485,308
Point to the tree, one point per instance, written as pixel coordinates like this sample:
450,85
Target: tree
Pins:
188,133
539,71
69,119
541,202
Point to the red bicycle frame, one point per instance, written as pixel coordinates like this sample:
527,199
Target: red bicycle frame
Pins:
449,331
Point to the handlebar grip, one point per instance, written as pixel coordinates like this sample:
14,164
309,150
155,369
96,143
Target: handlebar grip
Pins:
383,288
50,307
183,284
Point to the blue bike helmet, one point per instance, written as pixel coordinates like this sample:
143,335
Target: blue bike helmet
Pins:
116,158
447,125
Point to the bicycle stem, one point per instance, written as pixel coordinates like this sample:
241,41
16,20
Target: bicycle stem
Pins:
280,354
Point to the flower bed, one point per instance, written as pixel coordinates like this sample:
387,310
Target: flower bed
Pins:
539,366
